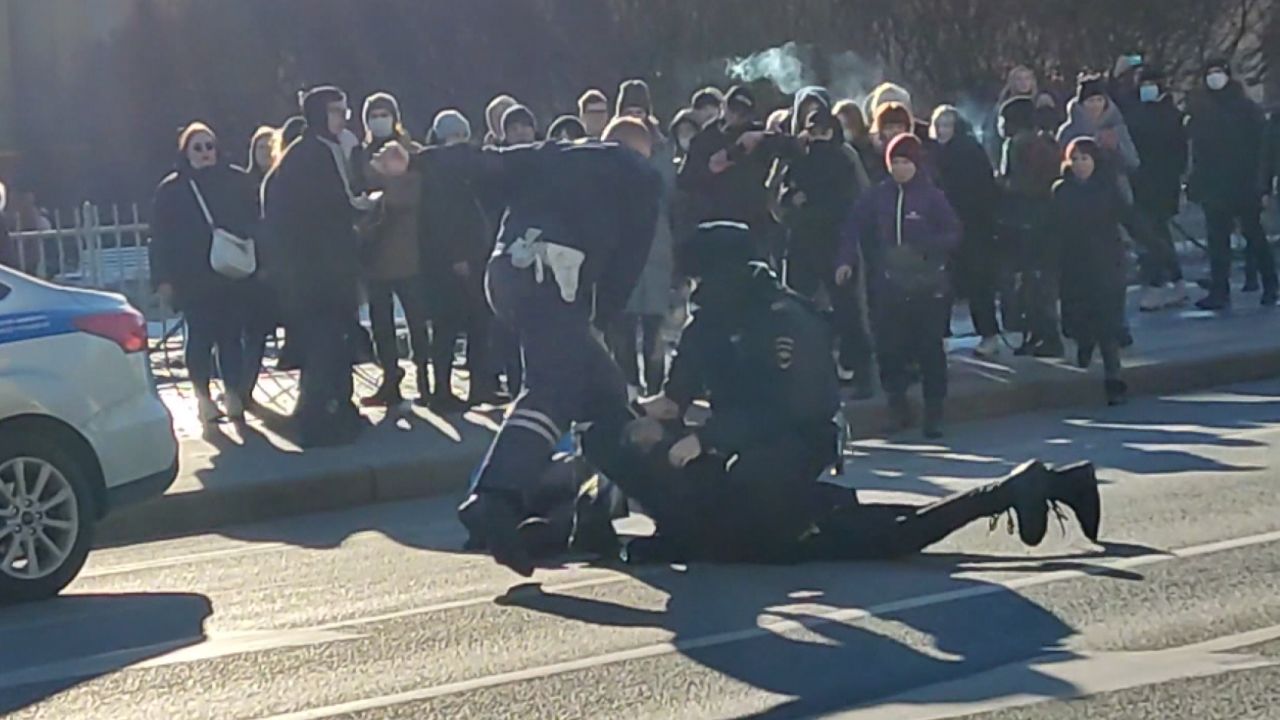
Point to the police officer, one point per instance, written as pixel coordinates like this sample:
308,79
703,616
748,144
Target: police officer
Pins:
579,223
745,486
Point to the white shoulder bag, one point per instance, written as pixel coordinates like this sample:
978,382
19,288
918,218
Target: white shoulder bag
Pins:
230,255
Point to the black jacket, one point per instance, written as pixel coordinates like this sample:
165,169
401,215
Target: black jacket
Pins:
968,180
1271,167
1086,218
767,366
738,193
600,198
454,225
309,215
828,179
1226,131
1159,133
181,237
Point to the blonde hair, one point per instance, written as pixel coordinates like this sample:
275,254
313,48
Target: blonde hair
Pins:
272,134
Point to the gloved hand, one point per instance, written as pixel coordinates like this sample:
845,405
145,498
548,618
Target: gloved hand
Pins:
685,451
844,274
660,408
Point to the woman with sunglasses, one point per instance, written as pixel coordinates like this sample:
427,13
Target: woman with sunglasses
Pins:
204,192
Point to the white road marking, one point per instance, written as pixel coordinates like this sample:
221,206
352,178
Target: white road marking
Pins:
842,616
1082,675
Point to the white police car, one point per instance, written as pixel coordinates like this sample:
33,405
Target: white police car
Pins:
82,429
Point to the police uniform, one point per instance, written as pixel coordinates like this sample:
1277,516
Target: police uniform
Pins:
579,223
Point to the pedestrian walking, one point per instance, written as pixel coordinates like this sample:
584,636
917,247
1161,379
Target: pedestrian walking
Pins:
903,230
1088,210
204,194
968,181
390,252
1226,132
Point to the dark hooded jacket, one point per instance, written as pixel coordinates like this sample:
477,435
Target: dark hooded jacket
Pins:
307,208
969,182
1226,130
1086,217
1159,133
181,237
828,179
739,193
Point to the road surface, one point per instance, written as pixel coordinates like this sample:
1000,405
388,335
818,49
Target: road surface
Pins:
374,613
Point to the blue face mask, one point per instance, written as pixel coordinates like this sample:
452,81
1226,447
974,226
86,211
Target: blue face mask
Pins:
1149,93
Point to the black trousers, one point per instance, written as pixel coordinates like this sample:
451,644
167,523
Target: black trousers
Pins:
808,275
325,413
457,307
1158,259
1222,220
217,325
382,296
908,334
976,270
1036,258
632,336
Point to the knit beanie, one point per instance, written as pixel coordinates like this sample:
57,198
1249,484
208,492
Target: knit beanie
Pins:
905,146
315,106
634,94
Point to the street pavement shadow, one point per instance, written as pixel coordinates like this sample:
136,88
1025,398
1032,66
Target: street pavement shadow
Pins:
53,646
913,627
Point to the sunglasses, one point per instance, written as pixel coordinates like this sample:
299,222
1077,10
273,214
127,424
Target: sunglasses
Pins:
204,147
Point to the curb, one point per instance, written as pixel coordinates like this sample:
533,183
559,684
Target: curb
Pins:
401,479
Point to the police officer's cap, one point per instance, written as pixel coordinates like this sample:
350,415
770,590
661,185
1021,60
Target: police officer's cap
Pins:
717,246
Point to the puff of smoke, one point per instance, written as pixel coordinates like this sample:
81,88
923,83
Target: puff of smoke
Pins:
781,65
853,76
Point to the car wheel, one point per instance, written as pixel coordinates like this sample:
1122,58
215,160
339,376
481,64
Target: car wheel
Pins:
46,517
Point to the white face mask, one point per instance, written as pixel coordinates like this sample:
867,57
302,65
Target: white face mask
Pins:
1217,80
382,127
1149,93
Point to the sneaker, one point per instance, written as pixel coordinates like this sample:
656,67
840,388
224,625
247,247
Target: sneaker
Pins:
1177,295
1214,303
1076,487
493,517
988,348
593,531
208,410
1152,299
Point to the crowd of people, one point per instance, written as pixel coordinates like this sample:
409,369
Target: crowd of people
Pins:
876,215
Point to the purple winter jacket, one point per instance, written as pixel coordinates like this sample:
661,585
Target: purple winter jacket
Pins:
894,229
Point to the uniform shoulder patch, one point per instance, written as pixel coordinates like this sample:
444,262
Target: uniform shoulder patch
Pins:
784,349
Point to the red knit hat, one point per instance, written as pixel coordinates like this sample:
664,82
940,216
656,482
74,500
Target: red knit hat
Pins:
905,146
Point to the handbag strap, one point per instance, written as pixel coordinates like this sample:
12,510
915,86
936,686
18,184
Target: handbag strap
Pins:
203,207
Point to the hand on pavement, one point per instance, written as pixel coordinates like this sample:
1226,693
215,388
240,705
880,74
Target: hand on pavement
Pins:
844,274
720,162
661,408
644,433
685,451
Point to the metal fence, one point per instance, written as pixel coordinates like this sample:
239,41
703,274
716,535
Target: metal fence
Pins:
93,247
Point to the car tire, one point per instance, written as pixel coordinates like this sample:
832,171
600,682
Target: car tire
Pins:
52,515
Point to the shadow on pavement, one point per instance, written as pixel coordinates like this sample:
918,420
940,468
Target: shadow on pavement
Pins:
53,646
919,626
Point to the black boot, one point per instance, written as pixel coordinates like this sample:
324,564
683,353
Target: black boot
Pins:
933,419
1029,485
1076,487
1215,302
494,517
901,415
388,393
593,531
1117,391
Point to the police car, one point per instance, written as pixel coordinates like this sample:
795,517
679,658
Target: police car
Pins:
82,428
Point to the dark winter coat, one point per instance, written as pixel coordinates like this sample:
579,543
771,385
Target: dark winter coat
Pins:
827,177
454,227
969,183
391,245
1086,220
1226,131
1271,168
308,211
181,238
738,193
904,235
1160,135
1030,165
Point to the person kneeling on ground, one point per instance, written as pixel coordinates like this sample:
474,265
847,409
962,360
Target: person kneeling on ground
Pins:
746,486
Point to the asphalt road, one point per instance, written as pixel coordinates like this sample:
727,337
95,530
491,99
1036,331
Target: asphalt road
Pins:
373,613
